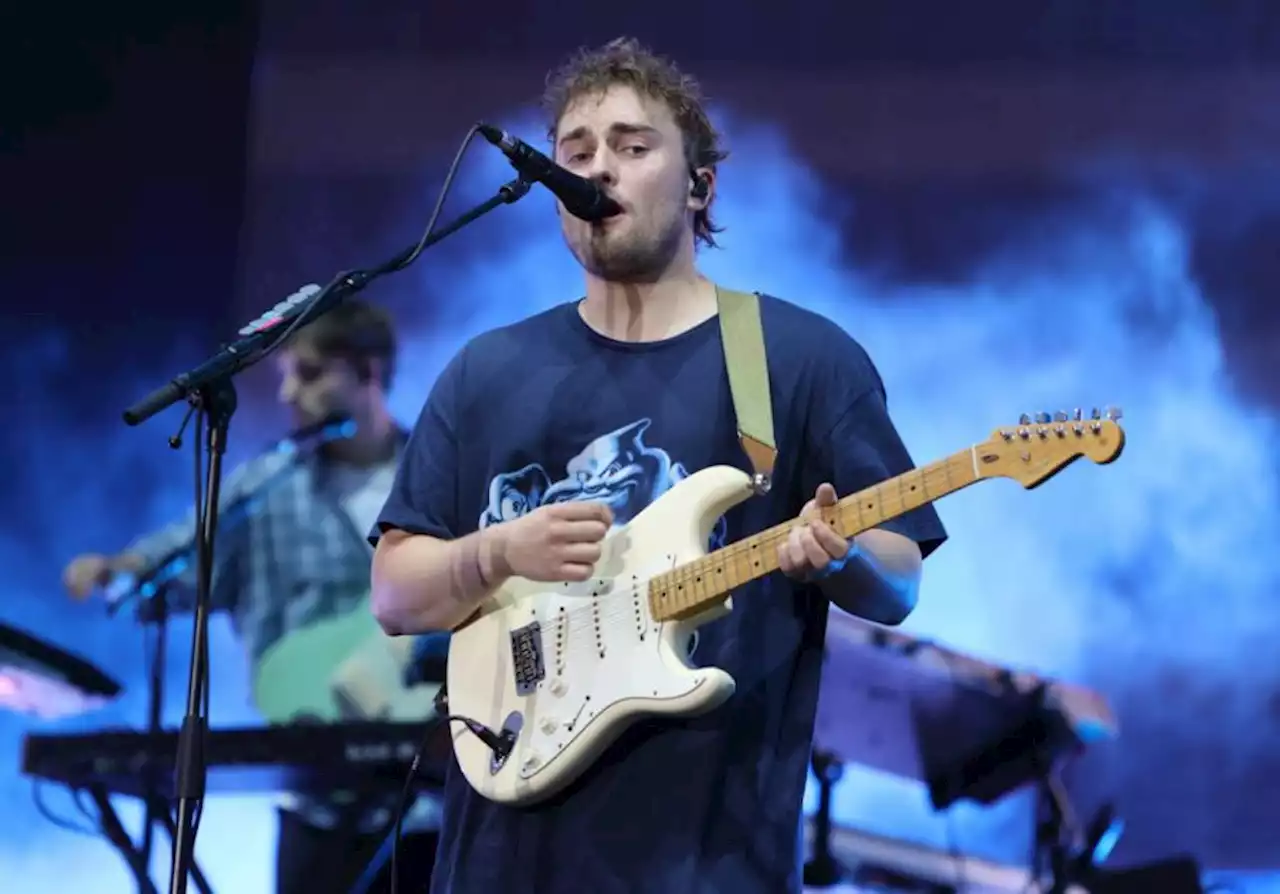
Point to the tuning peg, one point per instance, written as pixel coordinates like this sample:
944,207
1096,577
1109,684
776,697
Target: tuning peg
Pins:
1024,419
1060,416
1114,413
1043,418
1095,413
1077,414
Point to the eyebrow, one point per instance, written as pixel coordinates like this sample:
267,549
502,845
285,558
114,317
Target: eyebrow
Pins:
618,127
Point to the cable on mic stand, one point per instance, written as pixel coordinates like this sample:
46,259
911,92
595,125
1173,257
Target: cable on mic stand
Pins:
211,393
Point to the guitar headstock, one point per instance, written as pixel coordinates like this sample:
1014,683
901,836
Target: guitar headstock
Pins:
1039,447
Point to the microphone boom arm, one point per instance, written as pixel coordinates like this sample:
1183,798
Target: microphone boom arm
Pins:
264,335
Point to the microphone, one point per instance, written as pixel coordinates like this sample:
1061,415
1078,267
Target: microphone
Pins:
581,197
336,427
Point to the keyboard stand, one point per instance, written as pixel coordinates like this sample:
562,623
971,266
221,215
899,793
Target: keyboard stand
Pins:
366,756
380,862
114,830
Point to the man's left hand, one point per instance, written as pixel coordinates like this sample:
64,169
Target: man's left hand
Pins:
814,550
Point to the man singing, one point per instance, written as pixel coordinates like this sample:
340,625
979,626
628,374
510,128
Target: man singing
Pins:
541,436
300,556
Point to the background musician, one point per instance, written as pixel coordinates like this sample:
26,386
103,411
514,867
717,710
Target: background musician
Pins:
300,556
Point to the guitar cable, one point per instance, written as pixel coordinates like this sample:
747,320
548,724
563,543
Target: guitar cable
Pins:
501,744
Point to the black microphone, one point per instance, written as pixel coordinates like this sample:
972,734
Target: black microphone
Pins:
581,197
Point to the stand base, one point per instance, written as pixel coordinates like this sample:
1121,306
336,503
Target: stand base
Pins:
823,872
132,853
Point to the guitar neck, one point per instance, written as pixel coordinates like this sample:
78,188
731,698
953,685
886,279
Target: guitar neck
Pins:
697,586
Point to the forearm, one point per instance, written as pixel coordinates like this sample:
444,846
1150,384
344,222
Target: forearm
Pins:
422,584
162,561
880,579
168,555
167,562
146,553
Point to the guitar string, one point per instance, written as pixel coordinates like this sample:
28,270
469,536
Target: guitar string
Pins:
935,473
604,609
571,633
934,481
607,608
960,461
599,614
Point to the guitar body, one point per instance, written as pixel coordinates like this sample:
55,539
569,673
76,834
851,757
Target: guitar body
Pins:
341,668
567,667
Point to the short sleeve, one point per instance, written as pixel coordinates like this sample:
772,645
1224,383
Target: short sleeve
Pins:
424,494
858,446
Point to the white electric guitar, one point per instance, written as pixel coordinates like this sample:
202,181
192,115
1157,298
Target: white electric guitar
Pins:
548,675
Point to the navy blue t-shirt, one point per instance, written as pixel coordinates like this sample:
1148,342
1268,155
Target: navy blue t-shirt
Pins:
549,410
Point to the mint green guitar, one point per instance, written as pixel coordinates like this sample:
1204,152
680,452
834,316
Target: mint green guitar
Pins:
342,668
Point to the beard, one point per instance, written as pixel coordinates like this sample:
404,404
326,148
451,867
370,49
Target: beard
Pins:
638,254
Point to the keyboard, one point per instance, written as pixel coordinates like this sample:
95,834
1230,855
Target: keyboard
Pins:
244,760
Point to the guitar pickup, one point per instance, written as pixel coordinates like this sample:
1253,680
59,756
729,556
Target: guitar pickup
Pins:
527,663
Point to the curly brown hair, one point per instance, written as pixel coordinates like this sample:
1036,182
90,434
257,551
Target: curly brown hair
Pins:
626,62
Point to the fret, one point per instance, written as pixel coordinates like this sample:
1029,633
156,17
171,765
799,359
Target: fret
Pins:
697,586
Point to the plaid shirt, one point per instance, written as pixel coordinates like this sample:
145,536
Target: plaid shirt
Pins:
287,554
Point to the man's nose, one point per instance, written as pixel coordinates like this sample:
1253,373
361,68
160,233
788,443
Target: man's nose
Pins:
603,169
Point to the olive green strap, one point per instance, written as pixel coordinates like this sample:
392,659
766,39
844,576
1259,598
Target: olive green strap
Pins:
744,355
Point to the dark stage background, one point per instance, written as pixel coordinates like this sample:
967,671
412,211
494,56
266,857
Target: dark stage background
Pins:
1015,207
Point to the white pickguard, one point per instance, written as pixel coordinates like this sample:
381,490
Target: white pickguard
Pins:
566,667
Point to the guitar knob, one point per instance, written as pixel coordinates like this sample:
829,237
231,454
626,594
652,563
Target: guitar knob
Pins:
558,686
549,725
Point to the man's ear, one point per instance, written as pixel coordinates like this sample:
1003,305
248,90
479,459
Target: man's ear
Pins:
702,189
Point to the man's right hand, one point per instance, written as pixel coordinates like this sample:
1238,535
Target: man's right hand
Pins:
90,572
559,542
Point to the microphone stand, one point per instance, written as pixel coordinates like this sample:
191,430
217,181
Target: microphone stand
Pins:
209,389
155,611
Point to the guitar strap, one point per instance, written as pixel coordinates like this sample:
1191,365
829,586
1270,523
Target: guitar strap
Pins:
743,338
